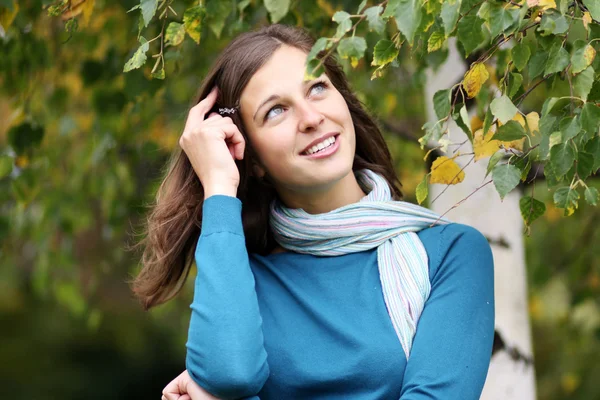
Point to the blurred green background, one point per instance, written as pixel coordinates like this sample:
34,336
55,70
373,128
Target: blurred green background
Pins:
87,146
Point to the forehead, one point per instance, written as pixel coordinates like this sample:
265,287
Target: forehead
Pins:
282,72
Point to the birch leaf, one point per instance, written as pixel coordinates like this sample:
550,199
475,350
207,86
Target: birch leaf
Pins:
444,170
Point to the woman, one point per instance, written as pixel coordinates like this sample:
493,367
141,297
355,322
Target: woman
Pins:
312,274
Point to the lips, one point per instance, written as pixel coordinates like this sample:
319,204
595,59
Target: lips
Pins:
319,140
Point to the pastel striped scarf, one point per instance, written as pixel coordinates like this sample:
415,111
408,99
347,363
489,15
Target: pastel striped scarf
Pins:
375,221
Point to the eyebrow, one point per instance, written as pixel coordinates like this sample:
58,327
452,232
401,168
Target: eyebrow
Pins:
270,98
275,97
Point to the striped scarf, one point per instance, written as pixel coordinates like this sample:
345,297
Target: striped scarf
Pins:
375,221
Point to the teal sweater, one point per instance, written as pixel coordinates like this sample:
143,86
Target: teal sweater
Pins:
297,326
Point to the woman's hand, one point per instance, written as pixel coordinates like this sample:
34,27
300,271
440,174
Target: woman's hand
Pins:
212,145
184,388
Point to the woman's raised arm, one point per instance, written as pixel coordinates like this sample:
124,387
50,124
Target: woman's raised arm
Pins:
225,347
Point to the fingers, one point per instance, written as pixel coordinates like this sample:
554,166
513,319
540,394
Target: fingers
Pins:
204,106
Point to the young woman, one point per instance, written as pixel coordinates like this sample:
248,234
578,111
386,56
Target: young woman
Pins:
315,281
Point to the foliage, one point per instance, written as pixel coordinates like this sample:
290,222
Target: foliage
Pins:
83,143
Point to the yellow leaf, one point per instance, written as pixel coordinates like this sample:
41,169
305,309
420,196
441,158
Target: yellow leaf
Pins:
476,123
588,54
570,382
326,6
532,3
75,8
587,19
444,170
546,4
22,161
389,103
519,118
474,79
533,122
7,17
482,145
536,307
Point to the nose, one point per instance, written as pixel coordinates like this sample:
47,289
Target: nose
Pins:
309,117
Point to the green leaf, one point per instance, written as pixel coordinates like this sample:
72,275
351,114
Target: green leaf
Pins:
361,6
590,118
340,16
515,83
567,198
192,21
506,177
462,120
160,74
408,17
277,9
558,59
520,55
441,103
593,147
139,57
352,48
497,156
174,34
25,136
390,9
585,163
470,33
148,10
593,7
435,41
343,27
384,52
555,105
450,12
512,130
433,132
582,84
502,19
582,57
553,24
487,120
562,157
217,13
569,128
6,165
422,190
503,109
537,64
376,23
531,209
591,195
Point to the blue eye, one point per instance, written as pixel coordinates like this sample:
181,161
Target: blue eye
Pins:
272,112
319,85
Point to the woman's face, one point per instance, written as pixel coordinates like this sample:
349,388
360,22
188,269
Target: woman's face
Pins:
283,115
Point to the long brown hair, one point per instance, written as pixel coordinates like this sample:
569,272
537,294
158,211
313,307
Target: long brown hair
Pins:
173,226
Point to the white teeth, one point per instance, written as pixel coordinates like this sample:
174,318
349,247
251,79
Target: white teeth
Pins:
320,146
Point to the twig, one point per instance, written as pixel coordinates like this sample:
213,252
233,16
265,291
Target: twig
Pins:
447,186
460,202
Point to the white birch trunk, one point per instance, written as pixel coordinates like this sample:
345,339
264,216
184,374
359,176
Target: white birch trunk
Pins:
508,378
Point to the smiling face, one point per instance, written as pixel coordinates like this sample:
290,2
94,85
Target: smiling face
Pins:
284,115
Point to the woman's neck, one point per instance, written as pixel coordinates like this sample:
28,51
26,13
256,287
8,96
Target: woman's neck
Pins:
344,192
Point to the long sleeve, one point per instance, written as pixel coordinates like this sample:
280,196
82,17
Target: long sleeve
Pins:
453,342
225,346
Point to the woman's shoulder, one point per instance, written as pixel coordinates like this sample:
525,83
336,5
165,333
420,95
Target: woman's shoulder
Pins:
452,246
